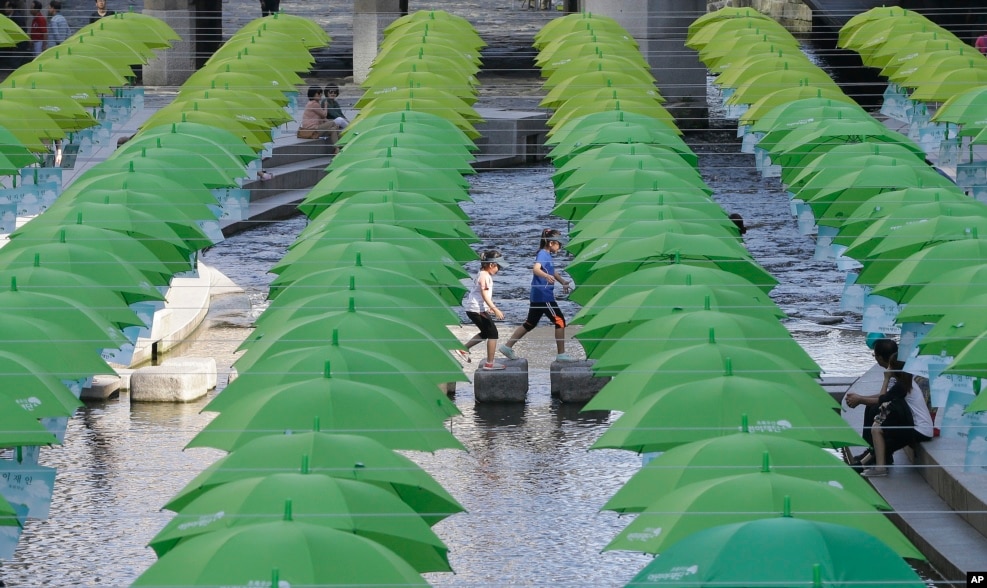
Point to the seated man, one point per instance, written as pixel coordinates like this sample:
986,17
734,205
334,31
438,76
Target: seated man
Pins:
896,417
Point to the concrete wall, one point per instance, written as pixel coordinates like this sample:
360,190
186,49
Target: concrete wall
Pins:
370,18
792,14
174,66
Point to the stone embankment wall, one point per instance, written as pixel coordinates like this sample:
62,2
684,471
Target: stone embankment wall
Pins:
792,14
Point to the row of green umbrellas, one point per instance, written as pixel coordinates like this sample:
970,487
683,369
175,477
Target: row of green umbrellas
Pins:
912,232
66,283
335,378
677,312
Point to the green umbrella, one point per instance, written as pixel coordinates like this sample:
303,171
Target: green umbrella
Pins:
949,83
19,428
181,135
396,282
597,264
902,273
875,20
426,16
398,47
748,497
619,71
443,175
845,158
385,83
643,227
415,289
696,199
355,507
279,552
454,30
31,127
337,404
599,85
758,87
894,36
920,42
14,153
85,68
727,12
366,366
172,203
245,105
69,114
691,366
576,21
739,48
883,204
696,327
428,308
85,93
39,393
918,73
255,84
762,107
672,416
676,274
252,136
442,157
379,123
715,30
821,136
956,328
803,111
970,362
84,288
732,455
259,68
591,163
395,198
574,51
12,33
132,27
432,61
66,306
610,316
291,57
625,181
88,332
427,106
592,129
130,53
737,73
351,457
438,95
446,138
646,106
892,238
607,224
951,290
968,109
210,171
329,189
393,247
452,235
782,551
299,27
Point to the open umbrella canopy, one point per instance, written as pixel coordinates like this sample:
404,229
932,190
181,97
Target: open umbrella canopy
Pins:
693,328
354,181
680,274
216,170
251,135
442,175
420,129
732,455
620,71
917,72
14,153
83,92
628,173
663,418
692,366
411,149
748,497
845,158
178,135
388,82
898,235
31,127
647,106
609,218
765,84
893,36
782,551
62,307
294,57
573,22
600,81
952,290
804,111
762,107
956,329
448,28
19,428
560,52
645,227
384,197
920,41
615,312
33,389
708,29
88,331
243,104
432,60
621,258
96,45
415,95
725,13
397,282
396,246
452,235
93,70
424,15
789,146
337,404
610,205
348,505
289,24
350,457
245,81
734,74
872,22
259,68
884,203
68,113
428,308
739,48
946,84
280,552
593,130
85,289
967,108
628,180
904,274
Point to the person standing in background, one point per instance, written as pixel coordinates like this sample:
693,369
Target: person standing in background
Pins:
269,7
981,44
39,28
100,12
58,27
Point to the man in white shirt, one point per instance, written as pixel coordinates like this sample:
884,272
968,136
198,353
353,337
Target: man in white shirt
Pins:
894,418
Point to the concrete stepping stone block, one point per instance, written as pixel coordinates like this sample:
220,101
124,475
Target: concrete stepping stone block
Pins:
507,385
206,364
102,387
164,383
573,381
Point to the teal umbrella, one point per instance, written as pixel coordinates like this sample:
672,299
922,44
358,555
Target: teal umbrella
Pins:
782,551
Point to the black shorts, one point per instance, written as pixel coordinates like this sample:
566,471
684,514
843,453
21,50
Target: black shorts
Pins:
540,309
482,320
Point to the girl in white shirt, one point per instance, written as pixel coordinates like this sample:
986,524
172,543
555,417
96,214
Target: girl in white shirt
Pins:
479,305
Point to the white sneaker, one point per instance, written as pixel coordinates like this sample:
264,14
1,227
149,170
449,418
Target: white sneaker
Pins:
462,354
507,352
565,357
